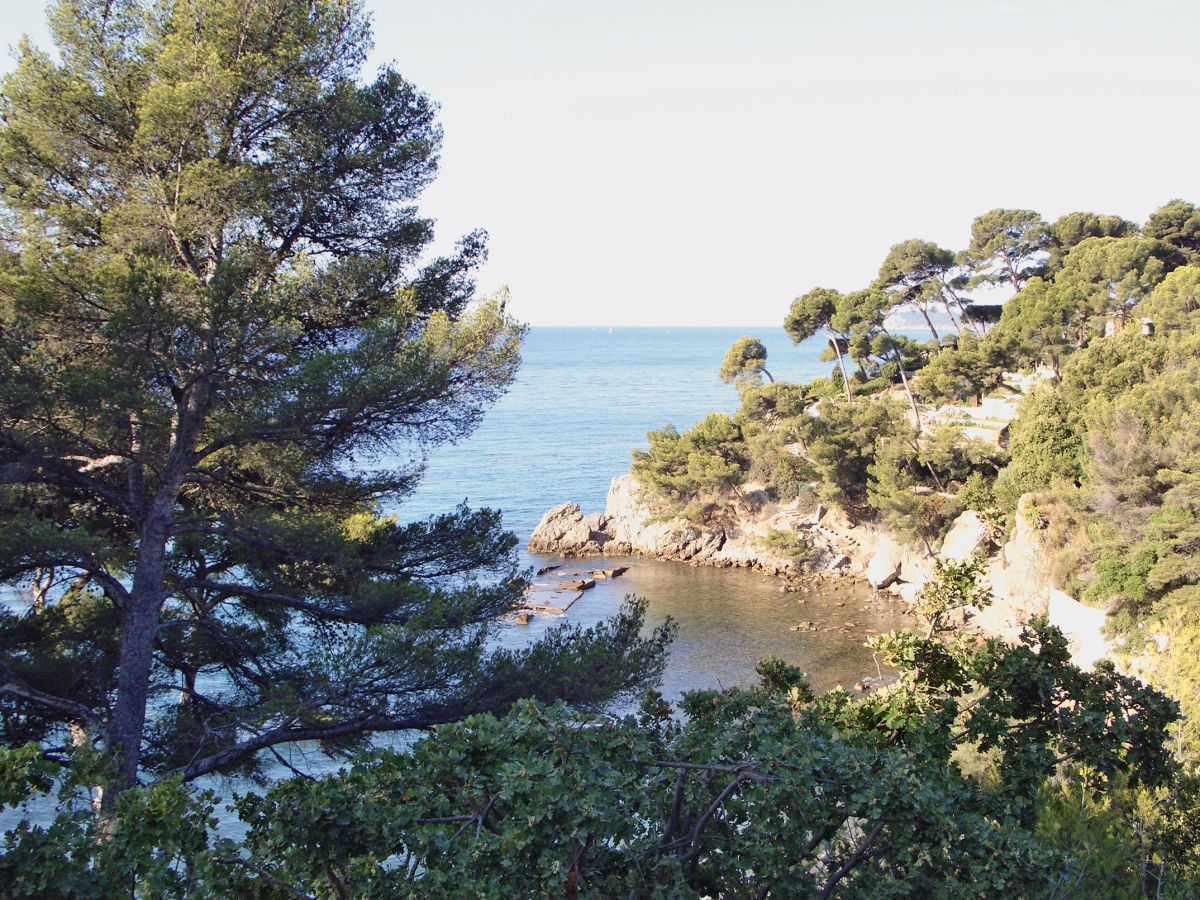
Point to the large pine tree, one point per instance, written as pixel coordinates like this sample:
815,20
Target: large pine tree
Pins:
216,317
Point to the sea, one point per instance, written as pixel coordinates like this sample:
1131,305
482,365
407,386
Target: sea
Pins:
583,401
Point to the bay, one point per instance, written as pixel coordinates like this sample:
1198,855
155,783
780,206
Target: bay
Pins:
584,398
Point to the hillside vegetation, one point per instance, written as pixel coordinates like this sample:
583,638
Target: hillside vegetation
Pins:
1106,443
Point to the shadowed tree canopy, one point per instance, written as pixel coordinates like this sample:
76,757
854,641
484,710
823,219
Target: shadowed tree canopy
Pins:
703,462
983,315
224,355
1069,230
1040,324
975,367
941,786
1107,276
1175,300
1178,224
1007,246
925,277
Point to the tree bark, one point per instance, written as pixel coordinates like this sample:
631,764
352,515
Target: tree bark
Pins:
837,349
141,613
907,390
139,626
929,322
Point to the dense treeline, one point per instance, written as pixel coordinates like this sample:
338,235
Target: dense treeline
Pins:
1104,309
984,770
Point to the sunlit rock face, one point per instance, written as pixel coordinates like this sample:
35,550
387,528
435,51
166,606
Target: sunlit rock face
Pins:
1020,572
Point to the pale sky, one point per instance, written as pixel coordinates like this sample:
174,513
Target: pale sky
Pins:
672,162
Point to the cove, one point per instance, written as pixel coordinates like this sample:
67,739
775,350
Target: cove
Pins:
730,619
583,400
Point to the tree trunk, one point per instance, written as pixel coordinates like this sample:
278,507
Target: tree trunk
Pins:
1014,277
977,327
929,323
140,617
907,390
837,349
139,626
953,321
941,488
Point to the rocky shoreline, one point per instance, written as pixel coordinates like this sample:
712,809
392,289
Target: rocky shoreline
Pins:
839,548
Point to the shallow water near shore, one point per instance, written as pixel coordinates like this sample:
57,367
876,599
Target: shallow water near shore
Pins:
585,397
730,619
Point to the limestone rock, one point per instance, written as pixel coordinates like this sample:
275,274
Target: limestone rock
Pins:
687,541
1023,578
564,529
1083,627
916,566
596,522
967,536
579,584
633,523
884,567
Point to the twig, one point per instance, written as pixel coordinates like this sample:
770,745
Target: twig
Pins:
694,837
676,803
287,765
859,854
741,770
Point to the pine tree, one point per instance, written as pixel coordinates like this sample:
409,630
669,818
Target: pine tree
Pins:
218,328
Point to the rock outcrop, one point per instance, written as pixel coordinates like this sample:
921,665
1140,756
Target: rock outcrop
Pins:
884,568
566,530
1021,572
967,536
632,524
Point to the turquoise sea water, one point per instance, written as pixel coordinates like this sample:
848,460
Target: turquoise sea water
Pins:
584,398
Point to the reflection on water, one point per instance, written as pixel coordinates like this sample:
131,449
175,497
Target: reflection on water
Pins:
729,619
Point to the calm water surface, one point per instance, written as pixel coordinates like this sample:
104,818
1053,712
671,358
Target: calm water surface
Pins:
729,619
584,398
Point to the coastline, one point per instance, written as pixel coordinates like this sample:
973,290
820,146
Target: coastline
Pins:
838,550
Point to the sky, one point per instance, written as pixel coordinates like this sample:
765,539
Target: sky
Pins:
687,162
